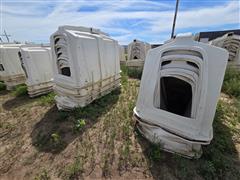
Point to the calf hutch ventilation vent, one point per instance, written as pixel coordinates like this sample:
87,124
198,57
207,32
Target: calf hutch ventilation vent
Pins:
137,51
11,71
37,62
86,65
178,94
230,42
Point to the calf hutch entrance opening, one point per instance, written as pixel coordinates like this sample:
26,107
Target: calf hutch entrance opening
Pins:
176,96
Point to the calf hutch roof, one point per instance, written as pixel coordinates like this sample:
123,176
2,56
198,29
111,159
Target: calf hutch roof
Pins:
82,29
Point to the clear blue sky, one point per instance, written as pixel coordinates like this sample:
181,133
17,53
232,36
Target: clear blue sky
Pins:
124,20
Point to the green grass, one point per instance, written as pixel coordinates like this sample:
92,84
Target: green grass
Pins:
20,90
47,99
80,123
155,152
2,86
135,73
231,84
217,160
132,72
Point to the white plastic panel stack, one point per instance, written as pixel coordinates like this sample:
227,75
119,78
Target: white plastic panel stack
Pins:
137,51
37,63
230,42
11,71
178,95
86,65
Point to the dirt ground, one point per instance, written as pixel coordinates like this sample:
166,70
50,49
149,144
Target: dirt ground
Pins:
39,142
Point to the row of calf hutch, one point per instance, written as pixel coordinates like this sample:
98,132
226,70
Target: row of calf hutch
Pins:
180,85
30,64
84,63
137,50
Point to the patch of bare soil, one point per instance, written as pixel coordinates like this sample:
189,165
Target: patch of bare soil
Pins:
39,142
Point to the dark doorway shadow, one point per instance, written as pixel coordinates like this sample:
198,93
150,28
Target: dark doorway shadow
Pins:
16,102
57,129
219,159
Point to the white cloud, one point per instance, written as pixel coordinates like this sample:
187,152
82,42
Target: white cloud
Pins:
37,20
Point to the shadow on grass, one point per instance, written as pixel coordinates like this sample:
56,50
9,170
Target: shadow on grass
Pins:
4,92
219,160
16,102
57,129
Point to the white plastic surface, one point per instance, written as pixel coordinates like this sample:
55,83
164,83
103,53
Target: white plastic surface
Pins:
191,64
86,65
37,63
11,71
137,51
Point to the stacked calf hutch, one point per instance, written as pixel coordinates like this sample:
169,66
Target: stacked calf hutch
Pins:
179,90
11,71
137,51
230,42
37,63
86,65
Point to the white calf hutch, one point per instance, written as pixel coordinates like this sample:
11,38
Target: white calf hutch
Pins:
37,63
230,42
86,65
137,51
178,94
11,71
